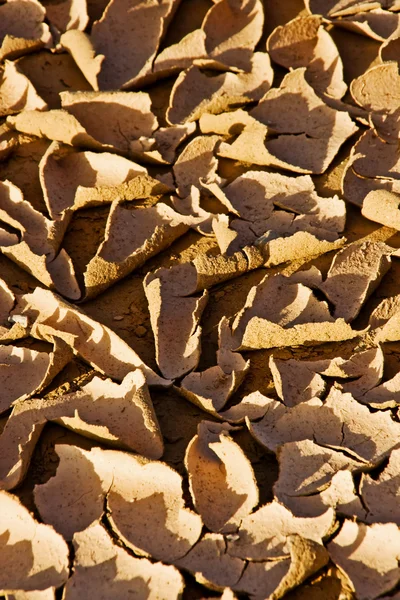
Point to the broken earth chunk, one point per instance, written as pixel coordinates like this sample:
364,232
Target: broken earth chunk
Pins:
50,316
175,314
196,163
82,51
67,14
195,93
264,535
276,578
16,92
67,176
106,570
33,556
306,139
21,28
303,42
369,556
381,495
210,563
355,272
340,423
306,468
212,388
117,415
131,238
221,478
126,64
24,372
144,500
281,312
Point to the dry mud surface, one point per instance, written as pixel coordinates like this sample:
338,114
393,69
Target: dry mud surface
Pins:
200,299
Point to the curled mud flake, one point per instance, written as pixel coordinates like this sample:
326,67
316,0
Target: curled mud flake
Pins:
340,423
295,382
37,249
33,555
197,162
175,314
212,388
386,395
161,147
228,123
369,556
80,47
48,594
309,137
280,312
210,563
340,495
148,511
180,56
378,89
386,320
105,570
114,119
297,245
377,24
21,28
221,478
66,176
303,42
382,206
232,31
73,498
264,534
381,495
131,238
251,407
24,372
305,468
67,14
195,93
212,270
16,92
389,50
50,316
276,578
192,213
356,271
7,301
126,64
57,125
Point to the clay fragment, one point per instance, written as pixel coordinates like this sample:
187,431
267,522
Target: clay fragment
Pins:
382,206
227,123
368,555
131,238
307,139
161,147
212,388
123,20
80,47
211,564
33,555
16,92
175,314
25,372
195,93
276,578
196,163
181,55
144,499
49,315
381,495
354,274
67,14
37,249
192,213
21,28
221,479
339,422
306,468
67,176
119,573
303,42
293,317
264,535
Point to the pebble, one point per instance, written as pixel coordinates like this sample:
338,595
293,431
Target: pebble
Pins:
118,318
140,331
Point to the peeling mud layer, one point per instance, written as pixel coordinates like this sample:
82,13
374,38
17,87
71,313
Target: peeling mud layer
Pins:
199,299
